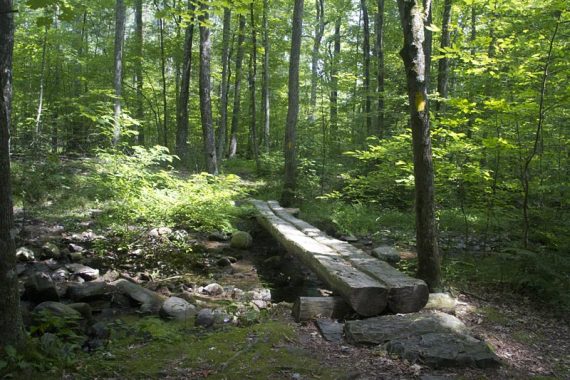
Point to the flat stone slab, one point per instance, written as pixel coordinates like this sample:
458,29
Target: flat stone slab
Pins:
330,330
434,339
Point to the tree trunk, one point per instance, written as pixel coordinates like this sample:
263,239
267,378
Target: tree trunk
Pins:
42,81
290,182
252,80
118,78
380,68
182,150
11,332
319,32
265,103
117,81
366,63
443,64
428,42
138,68
334,88
222,131
412,53
205,99
237,87
163,77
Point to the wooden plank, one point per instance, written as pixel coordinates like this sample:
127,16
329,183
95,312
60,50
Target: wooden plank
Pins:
406,294
366,295
307,308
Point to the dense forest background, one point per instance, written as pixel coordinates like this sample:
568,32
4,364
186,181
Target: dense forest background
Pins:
498,90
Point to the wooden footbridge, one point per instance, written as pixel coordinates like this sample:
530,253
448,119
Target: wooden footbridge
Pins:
370,286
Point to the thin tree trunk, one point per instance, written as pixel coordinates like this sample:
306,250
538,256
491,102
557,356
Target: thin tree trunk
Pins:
443,64
380,67
537,136
11,331
334,87
428,42
205,99
265,102
237,87
42,82
319,32
252,80
412,19
222,131
182,150
290,182
366,62
163,77
118,78
138,69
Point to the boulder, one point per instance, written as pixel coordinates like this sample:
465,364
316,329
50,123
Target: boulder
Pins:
178,309
24,254
205,318
442,302
435,339
75,248
89,291
241,240
51,250
60,275
39,287
83,308
150,301
160,232
214,289
83,271
386,253
57,309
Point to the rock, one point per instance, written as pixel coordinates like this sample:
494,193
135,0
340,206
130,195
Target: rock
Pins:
442,302
330,330
349,238
75,248
160,232
56,308
110,276
39,287
26,312
60,275
100,330
52,264
75,257
260,294
24,254
218,236
83,308
177,308
180,235
150,301
83,271
241,240
386,253
21,269
214,289
223,262
89,291
273,262
205,318
51,250
435,339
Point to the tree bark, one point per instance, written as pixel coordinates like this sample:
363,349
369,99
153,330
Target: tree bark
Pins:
182,150
443,64
412,20
11,331
42,81
252,80
366,63
222,131
380,68
290,149
118,78
318,37
237,87
334,88
163,77
265,101
428,42
205,99
138,68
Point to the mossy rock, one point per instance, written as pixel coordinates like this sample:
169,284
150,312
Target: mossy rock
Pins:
241,240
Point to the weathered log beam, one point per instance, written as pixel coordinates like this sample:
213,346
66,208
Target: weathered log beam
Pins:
406,294
307,308
366,295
